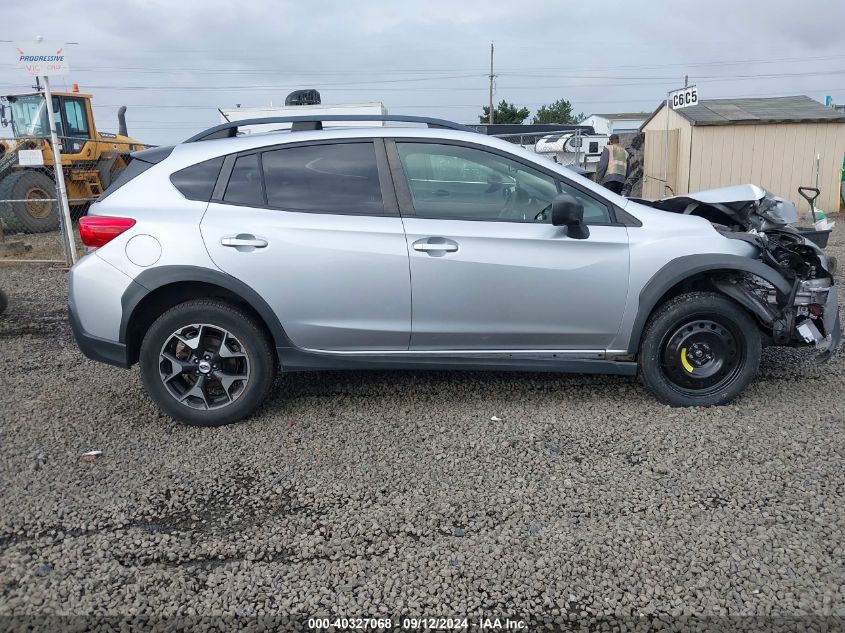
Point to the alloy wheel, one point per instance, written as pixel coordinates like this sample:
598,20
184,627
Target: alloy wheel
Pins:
204,366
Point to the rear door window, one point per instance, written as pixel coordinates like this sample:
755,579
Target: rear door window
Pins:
329,178
245,185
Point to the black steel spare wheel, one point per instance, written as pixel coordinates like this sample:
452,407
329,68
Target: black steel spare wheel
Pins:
701,356
699,349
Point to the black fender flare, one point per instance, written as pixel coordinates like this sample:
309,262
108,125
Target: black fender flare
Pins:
154,278
685,267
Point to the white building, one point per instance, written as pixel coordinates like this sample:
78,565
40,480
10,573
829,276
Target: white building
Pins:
619,123
260,112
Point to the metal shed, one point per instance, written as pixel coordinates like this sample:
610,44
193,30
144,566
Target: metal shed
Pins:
774,142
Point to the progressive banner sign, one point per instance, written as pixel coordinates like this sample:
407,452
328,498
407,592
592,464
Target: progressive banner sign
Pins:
42,58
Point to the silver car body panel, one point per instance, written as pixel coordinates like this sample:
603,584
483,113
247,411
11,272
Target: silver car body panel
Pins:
662,238
476,297
749,206
94,295
162,212
723,195
336,282
351,286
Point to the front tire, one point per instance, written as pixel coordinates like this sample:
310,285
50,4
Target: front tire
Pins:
699,349
207,363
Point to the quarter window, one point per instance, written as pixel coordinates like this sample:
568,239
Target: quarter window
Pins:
338,178
244,186
463,183
197,181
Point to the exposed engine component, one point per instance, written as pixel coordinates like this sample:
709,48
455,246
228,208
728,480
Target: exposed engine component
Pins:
789,252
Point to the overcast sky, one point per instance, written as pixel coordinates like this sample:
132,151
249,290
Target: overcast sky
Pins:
174,63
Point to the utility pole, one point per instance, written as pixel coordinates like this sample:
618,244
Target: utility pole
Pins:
686,81
490,112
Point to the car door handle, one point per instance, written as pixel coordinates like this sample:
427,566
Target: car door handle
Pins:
235,241
428,246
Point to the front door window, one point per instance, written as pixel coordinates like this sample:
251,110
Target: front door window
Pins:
463,183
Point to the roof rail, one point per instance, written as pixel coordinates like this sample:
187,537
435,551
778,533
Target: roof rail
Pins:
315,122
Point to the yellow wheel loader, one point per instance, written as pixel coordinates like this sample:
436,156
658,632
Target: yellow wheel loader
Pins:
90,159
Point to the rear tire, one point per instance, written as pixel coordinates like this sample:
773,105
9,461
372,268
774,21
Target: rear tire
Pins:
207,363
699,349
36,213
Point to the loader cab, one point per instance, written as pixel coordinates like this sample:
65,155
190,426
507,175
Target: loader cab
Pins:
71,113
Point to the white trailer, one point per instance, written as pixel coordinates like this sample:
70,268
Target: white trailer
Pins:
239,114
569,148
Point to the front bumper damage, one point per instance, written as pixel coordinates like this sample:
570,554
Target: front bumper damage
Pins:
827,342
806,315
804,308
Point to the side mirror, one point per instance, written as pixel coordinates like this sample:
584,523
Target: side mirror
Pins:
568,212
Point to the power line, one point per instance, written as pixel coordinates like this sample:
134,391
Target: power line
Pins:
382,71
626,81
467,105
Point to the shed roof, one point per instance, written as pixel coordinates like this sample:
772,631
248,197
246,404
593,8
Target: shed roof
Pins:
792,109
615,116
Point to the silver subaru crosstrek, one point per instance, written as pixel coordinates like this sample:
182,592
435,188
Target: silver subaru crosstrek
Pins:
222,260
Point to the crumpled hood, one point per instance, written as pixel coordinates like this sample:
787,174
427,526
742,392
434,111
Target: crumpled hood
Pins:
746,206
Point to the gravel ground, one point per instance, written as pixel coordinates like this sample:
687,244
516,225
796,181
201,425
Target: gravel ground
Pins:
42,246
380,494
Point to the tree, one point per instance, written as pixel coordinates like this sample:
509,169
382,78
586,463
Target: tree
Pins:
558,112
505,113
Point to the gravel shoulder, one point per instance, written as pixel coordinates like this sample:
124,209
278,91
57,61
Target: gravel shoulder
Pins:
366,494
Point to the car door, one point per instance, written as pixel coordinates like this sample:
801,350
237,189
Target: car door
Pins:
314,229
492,273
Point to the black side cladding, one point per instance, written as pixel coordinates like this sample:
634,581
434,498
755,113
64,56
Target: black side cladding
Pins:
687,266
139,163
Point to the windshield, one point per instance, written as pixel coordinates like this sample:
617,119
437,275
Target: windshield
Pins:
28,116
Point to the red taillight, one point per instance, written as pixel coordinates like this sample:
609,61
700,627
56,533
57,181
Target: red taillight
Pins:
97,230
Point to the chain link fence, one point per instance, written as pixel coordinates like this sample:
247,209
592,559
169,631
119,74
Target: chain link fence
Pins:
31,219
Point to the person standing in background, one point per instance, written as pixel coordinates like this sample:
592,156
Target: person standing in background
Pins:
613,165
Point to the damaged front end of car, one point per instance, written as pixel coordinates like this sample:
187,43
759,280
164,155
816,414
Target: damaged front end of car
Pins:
798,306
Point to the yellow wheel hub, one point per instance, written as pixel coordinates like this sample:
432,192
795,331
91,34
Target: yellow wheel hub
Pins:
38,203
684,362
